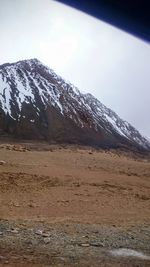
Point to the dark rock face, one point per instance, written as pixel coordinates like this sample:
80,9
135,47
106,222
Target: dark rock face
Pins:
35,103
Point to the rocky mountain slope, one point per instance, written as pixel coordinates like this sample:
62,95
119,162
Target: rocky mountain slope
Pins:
35,103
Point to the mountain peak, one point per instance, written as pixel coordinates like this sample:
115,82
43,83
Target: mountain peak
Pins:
37,103
31,60
28,61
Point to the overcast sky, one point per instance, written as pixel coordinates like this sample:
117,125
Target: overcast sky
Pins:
96,57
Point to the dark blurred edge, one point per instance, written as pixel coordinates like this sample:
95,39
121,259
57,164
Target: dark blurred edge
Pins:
131,16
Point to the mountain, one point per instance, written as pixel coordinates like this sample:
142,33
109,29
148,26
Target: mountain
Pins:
36,103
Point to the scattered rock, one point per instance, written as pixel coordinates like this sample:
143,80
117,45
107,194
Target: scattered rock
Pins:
16,205
14,231
1,233
45,234
39,232
16,147
32,205
96,244
62,259
85,245
2,162
47,240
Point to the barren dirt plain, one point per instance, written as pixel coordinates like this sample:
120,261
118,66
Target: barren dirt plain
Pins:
73,206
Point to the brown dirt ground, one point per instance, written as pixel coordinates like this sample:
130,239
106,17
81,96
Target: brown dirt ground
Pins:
73,185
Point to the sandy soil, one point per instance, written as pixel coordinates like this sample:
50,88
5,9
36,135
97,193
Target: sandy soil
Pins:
66,187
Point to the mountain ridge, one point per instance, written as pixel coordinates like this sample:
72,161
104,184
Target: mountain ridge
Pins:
37,103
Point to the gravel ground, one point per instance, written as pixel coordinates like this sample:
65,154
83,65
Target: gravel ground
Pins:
39,244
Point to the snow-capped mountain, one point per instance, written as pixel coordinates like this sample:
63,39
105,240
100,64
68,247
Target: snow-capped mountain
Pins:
36,103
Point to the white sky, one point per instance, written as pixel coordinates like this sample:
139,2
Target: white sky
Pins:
96,57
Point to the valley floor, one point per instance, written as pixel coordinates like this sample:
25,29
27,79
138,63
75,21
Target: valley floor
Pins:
72,206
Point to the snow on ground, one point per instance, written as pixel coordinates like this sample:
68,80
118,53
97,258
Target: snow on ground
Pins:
126,252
